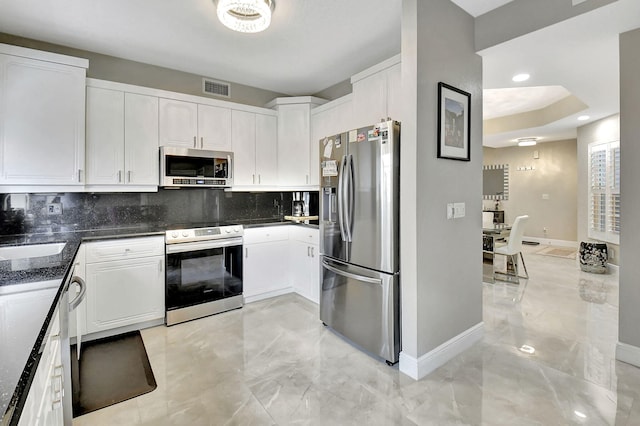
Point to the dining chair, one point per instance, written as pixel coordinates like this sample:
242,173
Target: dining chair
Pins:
513,247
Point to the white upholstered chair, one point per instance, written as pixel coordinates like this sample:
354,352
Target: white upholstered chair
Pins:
513,247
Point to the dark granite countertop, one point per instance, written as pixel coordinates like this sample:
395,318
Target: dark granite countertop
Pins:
40,279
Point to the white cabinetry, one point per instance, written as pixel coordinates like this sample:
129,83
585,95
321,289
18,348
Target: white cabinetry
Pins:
265,263
125,282
294,132
42,99
305,262
44,401
255,146
122,138
377,93
327,120
191,125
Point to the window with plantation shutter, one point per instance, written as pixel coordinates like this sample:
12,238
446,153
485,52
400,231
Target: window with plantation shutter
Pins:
604,191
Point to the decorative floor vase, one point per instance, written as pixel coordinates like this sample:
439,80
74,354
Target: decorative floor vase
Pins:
593,257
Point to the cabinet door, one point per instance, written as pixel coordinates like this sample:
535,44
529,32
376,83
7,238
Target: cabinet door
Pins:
178,123
42,119
293,144
141,139
265,268
370,99
394,92
300,253
243,140
214,128
124,292
105,136
266,149
336,119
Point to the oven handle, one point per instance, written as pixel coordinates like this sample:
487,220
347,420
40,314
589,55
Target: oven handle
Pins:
202,245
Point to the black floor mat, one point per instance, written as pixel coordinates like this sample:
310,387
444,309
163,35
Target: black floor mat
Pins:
110,370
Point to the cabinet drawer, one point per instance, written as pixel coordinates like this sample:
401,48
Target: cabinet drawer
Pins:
304,234
126,248
266,234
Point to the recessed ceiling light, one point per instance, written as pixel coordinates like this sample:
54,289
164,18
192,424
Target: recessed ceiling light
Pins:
527,141
521,77
583,118
527,349
580,414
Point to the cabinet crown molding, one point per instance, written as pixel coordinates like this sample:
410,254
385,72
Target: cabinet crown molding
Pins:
293,100
24,52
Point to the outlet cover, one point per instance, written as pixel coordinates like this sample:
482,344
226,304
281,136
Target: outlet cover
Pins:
54,208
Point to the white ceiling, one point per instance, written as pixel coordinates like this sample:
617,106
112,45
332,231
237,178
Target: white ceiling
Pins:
312,45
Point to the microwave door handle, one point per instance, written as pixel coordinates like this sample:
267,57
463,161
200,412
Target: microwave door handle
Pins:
229,168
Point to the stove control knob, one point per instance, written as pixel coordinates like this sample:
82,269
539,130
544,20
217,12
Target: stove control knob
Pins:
185,234
227,230
236,229
174,234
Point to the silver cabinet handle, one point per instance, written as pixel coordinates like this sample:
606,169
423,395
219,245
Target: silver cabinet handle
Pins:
308,251
195,141
129,176
246,252
119,176
80,297
79,175
160,266
253,179
259,179
201,142
312,253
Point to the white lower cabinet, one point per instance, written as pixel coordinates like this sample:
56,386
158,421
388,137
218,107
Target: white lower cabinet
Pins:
305,262
265,263
125,282
44,401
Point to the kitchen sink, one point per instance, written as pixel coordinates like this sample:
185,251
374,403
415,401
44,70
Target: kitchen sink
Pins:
30,251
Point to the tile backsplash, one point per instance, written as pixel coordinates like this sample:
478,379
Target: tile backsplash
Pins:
46,213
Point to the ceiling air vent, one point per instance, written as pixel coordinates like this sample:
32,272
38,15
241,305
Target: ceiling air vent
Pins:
216,88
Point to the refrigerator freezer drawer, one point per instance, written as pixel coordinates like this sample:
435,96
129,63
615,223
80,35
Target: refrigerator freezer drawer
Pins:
363,306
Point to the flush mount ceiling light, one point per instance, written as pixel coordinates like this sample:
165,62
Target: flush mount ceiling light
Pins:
527,141
245,16
527,349
520,77
583,118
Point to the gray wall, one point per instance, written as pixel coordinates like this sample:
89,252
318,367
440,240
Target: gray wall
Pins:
605,130
629,319
442,283
123,71
554,174
521,17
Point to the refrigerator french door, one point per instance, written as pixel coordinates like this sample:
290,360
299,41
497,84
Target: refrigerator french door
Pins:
359,237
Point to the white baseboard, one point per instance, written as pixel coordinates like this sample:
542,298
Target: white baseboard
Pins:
628,353
552,242
420,367
267,295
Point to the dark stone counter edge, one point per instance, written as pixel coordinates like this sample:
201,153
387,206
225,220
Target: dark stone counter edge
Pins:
12,414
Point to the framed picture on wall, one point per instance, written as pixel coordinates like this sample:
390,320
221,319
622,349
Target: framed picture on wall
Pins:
454,123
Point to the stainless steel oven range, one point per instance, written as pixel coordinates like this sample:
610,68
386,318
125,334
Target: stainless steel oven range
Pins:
203,271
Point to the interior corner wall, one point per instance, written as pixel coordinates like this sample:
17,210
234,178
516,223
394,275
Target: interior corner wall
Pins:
629,314
548,193
449,270
604,130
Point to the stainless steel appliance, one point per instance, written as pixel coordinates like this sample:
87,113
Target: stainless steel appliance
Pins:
185,167
359,197
203,271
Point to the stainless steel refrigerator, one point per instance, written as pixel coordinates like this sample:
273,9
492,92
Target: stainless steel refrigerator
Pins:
359,230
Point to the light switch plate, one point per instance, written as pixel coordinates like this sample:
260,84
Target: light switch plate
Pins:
458,210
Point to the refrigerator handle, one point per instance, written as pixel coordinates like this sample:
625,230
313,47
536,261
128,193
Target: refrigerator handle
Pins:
350,198
352,276
341,206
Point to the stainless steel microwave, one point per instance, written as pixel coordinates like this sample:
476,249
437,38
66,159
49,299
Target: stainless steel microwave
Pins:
185,167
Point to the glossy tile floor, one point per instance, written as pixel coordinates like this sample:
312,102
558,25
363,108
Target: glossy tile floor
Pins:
273,362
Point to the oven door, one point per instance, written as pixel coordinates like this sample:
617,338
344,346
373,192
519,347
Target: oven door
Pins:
200,272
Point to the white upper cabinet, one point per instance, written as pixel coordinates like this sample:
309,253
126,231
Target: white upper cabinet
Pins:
122,138
254,143
178,123
214,127
294,133
327,120
192,125
42,119
377,93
